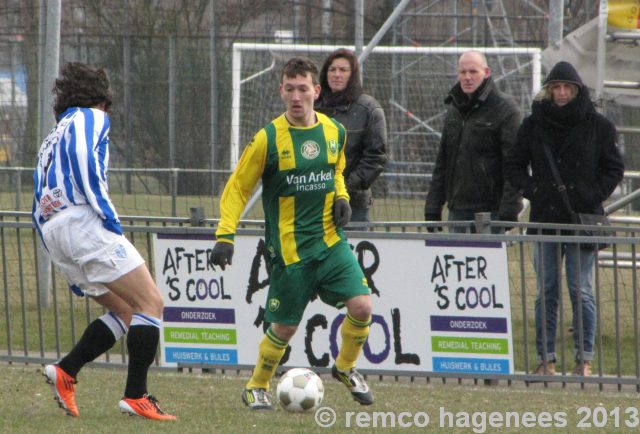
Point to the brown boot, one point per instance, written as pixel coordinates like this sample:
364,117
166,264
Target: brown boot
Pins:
550,369
583,368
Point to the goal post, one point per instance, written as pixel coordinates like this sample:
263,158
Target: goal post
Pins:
410,82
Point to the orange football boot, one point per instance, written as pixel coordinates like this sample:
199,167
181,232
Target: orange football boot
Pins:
64,387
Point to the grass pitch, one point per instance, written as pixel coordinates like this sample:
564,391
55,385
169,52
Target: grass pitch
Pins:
210,403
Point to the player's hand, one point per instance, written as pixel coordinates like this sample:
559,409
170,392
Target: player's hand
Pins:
222,254
341,212
433,217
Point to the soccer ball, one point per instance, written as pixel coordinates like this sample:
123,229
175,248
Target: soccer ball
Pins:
300,389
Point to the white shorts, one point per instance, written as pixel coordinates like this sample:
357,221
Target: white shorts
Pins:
87,254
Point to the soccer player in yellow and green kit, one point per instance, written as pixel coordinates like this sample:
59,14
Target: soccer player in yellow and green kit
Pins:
299,157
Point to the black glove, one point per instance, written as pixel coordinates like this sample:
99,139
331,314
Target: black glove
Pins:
341,212
222,254
433,217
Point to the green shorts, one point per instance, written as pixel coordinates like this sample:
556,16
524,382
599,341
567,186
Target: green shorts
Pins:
336,279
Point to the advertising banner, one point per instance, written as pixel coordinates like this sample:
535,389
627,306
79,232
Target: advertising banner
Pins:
437,306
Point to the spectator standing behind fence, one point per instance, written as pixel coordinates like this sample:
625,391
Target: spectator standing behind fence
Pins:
583,146
300,158
79,226
342,98
479,128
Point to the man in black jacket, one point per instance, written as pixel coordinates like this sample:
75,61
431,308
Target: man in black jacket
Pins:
479,128
582,144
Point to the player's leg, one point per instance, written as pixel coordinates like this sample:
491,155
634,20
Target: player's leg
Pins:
289,293
270,351
344,284
98,337
72,236
354,331
139,291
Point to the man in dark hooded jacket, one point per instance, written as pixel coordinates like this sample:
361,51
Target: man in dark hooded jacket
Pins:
479,128
582,143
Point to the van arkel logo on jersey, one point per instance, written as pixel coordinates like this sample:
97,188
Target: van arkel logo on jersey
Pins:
310,150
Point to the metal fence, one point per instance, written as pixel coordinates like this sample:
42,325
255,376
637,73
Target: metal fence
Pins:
178,61
153,199
37,332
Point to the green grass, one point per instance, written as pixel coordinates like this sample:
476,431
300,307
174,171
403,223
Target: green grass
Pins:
210,403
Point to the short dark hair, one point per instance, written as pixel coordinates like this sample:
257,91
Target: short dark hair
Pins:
81,85
300,66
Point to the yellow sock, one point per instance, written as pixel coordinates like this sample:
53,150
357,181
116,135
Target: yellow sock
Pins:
270,352
354,334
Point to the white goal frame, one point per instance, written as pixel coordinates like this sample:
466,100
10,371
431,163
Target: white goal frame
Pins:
237,80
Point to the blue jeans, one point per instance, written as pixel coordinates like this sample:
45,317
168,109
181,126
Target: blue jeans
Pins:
465,215
579,263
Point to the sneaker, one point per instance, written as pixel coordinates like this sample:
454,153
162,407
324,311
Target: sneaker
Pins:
583,368
540,370
355,383
146,407
64,388
257,399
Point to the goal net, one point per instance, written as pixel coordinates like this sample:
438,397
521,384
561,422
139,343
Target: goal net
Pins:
409,82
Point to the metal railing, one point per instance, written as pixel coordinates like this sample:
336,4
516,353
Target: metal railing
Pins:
399,185
34,334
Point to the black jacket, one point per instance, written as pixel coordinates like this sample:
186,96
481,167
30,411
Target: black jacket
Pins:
366,145
583,144
468,174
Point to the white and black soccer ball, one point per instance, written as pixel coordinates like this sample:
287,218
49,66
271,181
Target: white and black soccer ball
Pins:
300,389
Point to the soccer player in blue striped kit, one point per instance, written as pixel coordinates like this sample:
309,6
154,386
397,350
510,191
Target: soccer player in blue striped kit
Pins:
80,229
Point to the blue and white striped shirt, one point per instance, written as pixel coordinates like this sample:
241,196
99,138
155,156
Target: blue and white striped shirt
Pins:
72,168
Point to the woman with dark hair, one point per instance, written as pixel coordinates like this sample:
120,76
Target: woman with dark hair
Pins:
342,98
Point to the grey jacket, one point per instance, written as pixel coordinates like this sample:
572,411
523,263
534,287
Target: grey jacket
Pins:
468,174
366,145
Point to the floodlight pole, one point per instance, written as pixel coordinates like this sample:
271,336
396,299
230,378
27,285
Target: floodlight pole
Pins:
213,66
359,26
556,19
50,62
601,53
383,30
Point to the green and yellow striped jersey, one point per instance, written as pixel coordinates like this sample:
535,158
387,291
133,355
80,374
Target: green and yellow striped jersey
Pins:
301,170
